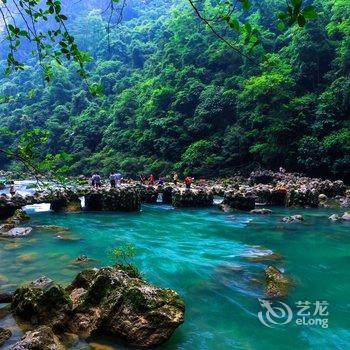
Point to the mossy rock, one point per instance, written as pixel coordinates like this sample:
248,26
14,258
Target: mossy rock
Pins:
42,300
277,283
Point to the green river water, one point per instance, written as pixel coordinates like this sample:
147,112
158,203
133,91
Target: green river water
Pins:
205,255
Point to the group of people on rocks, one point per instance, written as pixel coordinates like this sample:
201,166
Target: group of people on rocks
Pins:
150,180
115,180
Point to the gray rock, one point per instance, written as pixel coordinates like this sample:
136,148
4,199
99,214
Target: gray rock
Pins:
322,197
335,217
346,216
262,211
18,232
293,218
41,338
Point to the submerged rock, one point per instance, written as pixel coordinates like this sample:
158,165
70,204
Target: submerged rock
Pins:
262,211
41,338
5,334
293,218
53,228
277,284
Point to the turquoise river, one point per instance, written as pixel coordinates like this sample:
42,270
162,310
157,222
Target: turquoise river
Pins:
215,261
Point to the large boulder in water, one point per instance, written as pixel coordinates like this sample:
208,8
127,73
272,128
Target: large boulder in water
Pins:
41,302
41,338
111,301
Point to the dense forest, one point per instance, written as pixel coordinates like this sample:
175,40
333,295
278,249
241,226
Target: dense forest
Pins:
177,98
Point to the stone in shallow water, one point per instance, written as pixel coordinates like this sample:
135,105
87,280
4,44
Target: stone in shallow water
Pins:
5,334
346,216
12,246
27,257
293,218
53,228
335,218
262,211
18,232
41,338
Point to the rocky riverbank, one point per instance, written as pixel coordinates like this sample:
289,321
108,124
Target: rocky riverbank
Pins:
108,301
261,188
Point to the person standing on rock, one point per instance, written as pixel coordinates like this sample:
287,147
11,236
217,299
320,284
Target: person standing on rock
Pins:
93,179
142,179
161,180
97,180
188,182
118,178
112,180
176,179
12,189
151,180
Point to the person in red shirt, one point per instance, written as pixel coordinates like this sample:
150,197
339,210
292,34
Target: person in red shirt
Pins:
151,180
188,182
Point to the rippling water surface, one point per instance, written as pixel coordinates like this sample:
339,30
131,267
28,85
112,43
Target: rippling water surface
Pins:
210,258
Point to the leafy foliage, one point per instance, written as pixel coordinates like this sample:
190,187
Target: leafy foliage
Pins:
170,96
